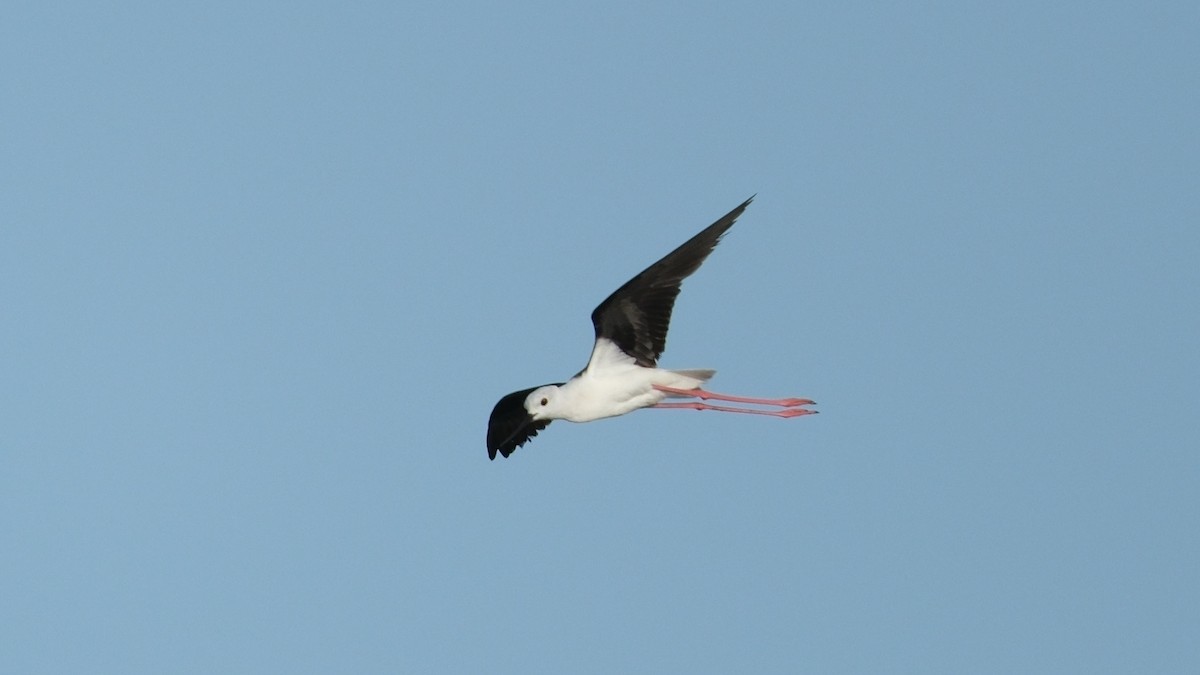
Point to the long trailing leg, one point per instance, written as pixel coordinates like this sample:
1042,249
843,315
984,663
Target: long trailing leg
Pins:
696,405
705,395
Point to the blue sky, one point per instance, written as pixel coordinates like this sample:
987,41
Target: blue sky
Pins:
266,267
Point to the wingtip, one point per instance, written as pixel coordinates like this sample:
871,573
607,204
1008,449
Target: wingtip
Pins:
737,211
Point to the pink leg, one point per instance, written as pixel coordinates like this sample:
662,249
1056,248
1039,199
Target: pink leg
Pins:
696,405
705,395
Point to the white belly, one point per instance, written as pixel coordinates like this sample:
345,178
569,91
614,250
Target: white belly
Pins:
618,390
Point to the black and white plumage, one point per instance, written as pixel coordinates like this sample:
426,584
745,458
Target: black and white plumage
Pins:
622,374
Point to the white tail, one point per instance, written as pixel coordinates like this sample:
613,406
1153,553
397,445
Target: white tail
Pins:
699,375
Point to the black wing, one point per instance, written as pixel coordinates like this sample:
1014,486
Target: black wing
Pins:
510,425
636,316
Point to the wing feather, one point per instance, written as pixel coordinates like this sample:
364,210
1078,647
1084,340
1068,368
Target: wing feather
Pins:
638,314
510,425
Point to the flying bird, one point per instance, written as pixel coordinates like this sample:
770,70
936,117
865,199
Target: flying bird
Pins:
622,374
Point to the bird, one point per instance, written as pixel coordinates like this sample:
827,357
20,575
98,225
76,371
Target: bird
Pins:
622,373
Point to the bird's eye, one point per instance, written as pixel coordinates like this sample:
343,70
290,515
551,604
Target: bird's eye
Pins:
545,400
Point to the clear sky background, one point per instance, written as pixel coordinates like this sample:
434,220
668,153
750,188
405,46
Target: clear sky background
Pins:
266,267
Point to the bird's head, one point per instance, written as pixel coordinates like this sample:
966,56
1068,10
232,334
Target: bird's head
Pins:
542,403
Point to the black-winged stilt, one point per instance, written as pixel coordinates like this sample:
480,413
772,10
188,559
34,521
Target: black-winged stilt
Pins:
622,374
